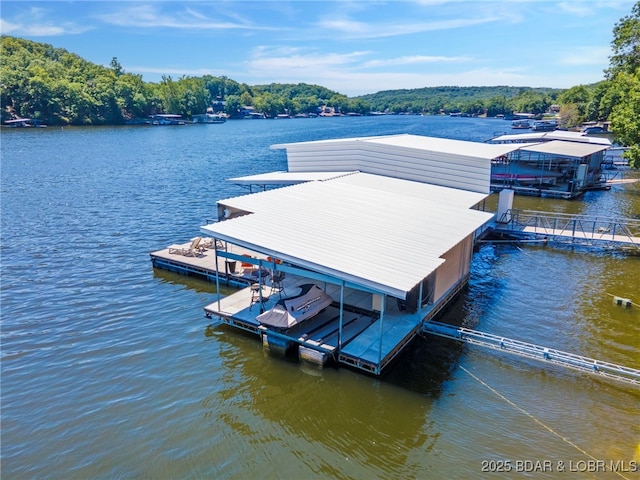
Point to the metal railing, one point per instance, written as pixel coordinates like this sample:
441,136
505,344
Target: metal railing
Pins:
536,352
577,227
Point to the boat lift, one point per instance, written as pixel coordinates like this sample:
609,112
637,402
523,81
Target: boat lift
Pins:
535,352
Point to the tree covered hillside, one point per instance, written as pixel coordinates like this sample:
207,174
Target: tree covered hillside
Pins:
492,101
58,87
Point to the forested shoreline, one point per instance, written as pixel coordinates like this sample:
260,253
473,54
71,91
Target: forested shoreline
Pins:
55,86
58,87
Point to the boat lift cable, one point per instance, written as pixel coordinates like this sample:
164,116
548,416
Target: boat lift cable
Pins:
535,352
537,420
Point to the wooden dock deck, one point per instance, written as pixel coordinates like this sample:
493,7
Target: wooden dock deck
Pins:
367,340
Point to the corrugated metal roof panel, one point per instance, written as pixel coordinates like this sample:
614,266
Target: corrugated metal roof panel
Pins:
371,231
569,149
464,148
554,135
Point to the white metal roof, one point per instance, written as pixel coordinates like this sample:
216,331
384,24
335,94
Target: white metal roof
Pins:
569,149
419,142
284,178
464,148
553,135
439,161
381,233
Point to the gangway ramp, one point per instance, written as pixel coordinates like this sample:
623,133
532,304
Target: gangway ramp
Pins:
536,352
576,229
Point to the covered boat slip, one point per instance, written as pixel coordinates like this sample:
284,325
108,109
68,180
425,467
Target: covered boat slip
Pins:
348,332
388,222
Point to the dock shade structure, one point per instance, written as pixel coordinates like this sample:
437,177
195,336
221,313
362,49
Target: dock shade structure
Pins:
561,168
437,161
380,234
391,218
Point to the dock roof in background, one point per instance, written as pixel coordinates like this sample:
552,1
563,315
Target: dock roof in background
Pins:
569,149
440,161
381,233
463,148
553,135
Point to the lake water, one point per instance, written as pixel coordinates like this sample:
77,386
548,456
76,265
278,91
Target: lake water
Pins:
111,370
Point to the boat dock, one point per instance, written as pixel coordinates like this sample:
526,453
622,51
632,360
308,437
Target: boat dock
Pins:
354,335
359,244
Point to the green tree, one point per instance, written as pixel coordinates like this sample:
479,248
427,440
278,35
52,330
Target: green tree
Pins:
575,102
625,45
624,73
269,104
232,105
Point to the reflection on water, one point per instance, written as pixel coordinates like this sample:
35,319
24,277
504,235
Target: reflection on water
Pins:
110,368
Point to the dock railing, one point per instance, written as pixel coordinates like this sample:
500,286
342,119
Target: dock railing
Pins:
536,352
576,227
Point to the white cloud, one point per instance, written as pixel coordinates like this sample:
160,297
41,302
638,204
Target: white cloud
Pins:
33,23
350,29
149,16
581,9
578,56
269,61
414,60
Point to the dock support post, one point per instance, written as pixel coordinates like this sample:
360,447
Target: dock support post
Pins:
341,316
215,250
384,301
505,205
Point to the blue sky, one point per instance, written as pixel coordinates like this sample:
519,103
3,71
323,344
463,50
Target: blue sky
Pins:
353,47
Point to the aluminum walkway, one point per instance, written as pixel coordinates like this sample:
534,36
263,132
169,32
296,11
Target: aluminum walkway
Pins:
536,352
575,229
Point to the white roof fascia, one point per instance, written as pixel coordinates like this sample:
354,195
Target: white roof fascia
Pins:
285,178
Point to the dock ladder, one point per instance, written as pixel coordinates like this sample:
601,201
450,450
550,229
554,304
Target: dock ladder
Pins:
536,352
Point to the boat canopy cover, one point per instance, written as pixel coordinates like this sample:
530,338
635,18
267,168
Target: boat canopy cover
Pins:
293,310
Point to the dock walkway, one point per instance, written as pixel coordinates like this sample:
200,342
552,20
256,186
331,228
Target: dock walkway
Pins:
536,352
577,229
